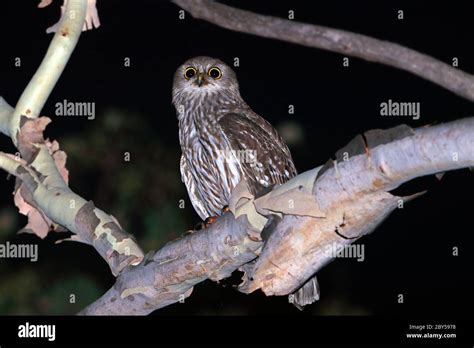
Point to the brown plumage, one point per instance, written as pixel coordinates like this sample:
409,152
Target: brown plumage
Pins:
222,139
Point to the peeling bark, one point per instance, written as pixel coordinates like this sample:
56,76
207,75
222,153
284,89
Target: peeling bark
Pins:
353,196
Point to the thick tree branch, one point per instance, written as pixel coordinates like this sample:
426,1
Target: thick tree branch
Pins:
351,199
169,274
354,195
335,40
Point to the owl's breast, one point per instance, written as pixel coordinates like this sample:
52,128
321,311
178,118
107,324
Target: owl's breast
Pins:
212,164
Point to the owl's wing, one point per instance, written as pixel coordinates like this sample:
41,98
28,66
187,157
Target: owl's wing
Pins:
264,156
193,192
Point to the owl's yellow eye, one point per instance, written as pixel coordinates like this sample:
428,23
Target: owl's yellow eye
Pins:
189,72
215,73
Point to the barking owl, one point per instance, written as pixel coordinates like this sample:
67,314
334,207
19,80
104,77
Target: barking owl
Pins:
222,140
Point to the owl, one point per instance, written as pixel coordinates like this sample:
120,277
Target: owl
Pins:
222,139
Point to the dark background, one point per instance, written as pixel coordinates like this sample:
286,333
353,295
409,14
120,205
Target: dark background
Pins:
410,253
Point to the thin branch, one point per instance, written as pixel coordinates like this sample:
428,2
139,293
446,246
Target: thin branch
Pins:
40,86
340,41
59,203
46,187
5,116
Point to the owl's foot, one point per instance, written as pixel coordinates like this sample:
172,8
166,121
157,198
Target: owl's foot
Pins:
208,222
205,224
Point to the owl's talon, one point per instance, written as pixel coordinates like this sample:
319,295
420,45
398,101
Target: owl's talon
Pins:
209,221
205,224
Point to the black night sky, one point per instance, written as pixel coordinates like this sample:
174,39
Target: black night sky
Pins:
410,253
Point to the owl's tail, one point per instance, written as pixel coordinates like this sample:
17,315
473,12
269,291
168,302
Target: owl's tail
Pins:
307,294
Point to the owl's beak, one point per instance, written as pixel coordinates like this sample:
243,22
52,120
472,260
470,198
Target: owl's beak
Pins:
200,79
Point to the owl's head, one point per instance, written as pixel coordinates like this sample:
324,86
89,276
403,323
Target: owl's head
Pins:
204,75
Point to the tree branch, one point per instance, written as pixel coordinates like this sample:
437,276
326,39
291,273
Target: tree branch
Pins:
169,274
5,116
334,40
41,174
354,195
351,199
51,195
40,86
